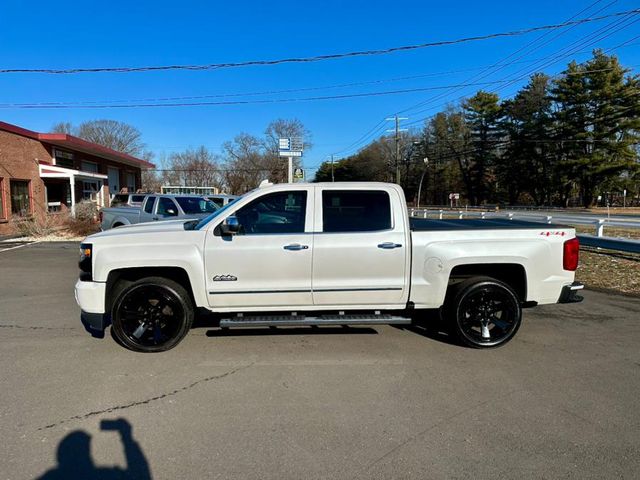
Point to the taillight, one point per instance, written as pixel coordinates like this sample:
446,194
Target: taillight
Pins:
571,254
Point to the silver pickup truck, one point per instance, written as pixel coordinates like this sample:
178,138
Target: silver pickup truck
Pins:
157,208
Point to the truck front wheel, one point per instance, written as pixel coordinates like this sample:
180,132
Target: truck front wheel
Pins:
485,312
152,314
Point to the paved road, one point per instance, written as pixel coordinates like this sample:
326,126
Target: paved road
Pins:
560,401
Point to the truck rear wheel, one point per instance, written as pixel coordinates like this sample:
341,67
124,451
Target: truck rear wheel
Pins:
485,312
152,314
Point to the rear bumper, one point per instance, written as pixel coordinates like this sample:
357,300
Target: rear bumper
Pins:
569,293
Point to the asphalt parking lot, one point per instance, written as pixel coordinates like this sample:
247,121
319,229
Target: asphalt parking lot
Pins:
559,401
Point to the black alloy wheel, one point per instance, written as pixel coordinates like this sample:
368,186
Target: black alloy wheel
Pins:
486,313
152,315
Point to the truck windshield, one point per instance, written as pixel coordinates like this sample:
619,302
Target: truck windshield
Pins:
195,205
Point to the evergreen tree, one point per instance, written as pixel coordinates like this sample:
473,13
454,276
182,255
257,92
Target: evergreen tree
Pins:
527,165
598,123
482,115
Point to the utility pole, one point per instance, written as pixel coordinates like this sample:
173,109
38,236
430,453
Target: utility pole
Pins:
332,177
397,131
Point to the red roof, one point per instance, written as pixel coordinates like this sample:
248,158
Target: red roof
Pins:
78,144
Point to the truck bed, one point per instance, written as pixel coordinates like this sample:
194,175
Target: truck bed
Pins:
426,225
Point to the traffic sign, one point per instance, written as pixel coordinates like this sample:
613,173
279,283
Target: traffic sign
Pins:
298,174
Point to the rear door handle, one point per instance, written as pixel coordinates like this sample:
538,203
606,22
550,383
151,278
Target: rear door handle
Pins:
389,245
296,246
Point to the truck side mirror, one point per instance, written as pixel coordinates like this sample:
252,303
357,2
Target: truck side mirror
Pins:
230,226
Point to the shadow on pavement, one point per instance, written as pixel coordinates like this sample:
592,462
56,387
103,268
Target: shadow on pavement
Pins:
75,461
429,324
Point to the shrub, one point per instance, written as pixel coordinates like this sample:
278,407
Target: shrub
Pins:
86,220
33,226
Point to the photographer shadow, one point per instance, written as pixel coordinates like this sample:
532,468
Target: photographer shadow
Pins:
75,460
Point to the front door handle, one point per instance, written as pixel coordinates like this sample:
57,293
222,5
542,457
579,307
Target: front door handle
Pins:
155,218
296,246
389,245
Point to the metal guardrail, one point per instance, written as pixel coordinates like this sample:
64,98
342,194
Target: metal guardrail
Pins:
598,240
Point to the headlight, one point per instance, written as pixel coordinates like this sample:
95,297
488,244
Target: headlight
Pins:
85,263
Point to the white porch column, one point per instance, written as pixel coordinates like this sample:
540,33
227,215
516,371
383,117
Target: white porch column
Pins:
72,182
99,195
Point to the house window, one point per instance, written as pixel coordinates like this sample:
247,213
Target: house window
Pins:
131,182
89,167
2,215
20,198
90,190
63,159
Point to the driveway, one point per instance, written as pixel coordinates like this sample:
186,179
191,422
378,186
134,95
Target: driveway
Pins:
560,400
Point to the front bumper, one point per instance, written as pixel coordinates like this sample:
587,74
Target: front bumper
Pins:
569,293
95,323
90,296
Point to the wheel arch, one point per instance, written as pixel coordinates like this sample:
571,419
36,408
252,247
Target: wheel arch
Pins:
512,274
131,274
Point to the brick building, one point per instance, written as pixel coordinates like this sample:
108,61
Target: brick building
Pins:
51,172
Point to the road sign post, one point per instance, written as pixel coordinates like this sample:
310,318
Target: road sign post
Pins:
290,147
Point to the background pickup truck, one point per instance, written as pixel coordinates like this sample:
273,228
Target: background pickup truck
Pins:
156,208
322,254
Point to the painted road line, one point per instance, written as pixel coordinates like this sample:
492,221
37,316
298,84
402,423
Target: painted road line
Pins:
18,246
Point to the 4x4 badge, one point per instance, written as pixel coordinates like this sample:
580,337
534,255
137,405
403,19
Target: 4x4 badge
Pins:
225,278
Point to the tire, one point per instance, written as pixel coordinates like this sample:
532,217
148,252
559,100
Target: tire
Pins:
152,314
483,312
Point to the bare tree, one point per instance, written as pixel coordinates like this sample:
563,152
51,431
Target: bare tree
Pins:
244,167
118,136
63,127
193,168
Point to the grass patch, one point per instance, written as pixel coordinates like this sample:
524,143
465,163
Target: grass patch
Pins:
609,271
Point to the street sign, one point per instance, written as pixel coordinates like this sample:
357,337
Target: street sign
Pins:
454,196
298,174
292,145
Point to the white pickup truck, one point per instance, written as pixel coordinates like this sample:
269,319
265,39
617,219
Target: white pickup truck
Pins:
321,254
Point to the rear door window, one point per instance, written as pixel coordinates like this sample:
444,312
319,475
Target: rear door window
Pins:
355,211
119,199
148,207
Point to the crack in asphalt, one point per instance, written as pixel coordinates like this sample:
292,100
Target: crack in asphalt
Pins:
38,328
148,400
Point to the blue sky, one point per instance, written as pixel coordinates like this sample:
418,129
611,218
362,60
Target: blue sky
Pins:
124,33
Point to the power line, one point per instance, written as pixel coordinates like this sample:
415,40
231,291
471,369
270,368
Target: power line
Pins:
318,58
564,52
567,51
38,106
302,89
501,64
504,63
